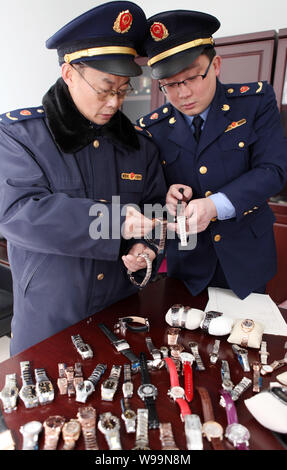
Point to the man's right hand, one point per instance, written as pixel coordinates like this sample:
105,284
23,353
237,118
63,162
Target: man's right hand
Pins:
174,195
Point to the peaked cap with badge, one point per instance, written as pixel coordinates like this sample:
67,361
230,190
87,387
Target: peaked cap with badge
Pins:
107,37
176,38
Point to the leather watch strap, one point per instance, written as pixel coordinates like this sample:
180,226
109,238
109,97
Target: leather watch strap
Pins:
143,368
127,352
207,409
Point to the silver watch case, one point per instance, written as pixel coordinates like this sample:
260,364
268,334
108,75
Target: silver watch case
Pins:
176,392
147,391
83,390
237,434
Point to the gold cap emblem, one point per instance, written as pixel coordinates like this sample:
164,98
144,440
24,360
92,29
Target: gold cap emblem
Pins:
123,22
158,31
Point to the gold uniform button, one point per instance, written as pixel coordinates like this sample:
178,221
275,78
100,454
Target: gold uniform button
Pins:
100,277
208,193
217,238
163,162
214,219
230,90
165,110
96,144
241,145
203,170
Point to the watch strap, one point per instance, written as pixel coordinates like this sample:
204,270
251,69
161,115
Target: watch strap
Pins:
230,409
97,373
184,407
144,369
6,439
188,381
166,437
173,375
206,404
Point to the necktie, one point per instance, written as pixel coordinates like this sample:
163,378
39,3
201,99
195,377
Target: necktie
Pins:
197,123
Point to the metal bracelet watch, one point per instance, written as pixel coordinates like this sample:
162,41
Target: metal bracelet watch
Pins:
78,374
193,432
236,433
159,247
176,392
194,349
242,356
121,346
166,437
28,393
132,323
156,354
246,326
87,387
207,319
238,390
148,393
181,220
212,430
52,427
30,432
71,432
70,375
110,385
128,416
172,336
142,441
187,360
9,393
227,383
213,356
109,425
269,368
263,352
87,416
256,366
127,387
62,381
175,313
144,282
44,387
6,438
83,348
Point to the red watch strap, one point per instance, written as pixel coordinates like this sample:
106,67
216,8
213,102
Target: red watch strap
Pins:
173,375
184,408
188,381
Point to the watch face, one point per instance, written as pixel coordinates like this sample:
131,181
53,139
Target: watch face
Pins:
129,414
147,390
176,392
237,433
110,384
187,357
45,386
247,325
55,422
267,368
212,429
87,412
72,427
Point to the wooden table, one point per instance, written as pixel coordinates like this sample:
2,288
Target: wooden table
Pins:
153,303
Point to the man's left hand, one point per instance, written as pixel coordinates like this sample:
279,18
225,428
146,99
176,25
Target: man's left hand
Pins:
133,261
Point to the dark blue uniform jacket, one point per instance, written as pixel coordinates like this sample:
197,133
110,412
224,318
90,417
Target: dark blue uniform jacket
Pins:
242,153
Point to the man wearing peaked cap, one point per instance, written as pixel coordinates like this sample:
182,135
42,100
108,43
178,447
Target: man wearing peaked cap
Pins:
68,169
224,145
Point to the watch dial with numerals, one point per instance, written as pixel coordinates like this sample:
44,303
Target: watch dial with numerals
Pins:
212,429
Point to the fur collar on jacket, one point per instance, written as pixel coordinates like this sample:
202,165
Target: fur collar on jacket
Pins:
72,131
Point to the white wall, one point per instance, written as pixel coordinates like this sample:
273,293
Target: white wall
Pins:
28,69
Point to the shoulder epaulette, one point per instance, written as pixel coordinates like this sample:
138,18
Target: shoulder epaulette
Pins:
22,115
155,116
254,88
142,131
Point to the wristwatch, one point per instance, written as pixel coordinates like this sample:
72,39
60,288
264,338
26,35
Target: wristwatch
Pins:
121,346
213,356
166,437
269,368
246,326
187,360
30,432
176,392
236,433
6,438
83,348
78,374
176,350
9,393
175,313
142,440
28,391
44,387
156,354
109,425
147,275
148,393
87,417
263,352
212,430
181,221
62,381
110,385
127,387
242,356
256,366
207,319
87,387
227,383
125,323
193,432
240,388
194,349
71,432
52,427
172,336
128,416
70,375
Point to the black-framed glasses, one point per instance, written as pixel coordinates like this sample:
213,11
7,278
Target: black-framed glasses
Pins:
104,95
187,81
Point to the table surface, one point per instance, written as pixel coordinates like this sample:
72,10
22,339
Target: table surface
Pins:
153,303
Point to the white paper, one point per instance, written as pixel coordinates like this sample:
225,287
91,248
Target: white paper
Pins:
257,307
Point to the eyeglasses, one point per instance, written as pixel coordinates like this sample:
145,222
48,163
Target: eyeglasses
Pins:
104,95
187,81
